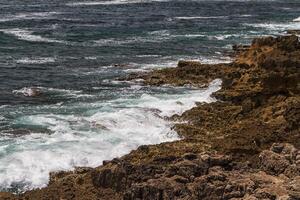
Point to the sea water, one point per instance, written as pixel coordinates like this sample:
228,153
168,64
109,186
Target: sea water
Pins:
72,52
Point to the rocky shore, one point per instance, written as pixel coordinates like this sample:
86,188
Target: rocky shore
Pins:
244,146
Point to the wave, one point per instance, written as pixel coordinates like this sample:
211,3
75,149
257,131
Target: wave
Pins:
201,17
276,26
109,129
296,20
3,106
28,92
168,62
28,16
37,60
131,40
159,33
112,2
158,36
36,91
29,36
245,15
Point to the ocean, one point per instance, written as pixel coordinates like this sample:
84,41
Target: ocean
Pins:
73,53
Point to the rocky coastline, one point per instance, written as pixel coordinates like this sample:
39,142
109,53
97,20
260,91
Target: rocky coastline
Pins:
245,146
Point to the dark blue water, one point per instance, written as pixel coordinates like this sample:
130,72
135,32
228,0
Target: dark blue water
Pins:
72,52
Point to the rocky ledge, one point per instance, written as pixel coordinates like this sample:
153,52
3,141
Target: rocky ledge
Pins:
244,146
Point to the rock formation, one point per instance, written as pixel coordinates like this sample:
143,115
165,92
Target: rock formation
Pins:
246,146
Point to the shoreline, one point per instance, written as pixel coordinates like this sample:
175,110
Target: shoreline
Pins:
244,146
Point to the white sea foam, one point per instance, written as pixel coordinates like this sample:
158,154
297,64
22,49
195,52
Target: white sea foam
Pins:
29,36
36,91
27,91
168,62
223,37
37,60
297,19
111,2
160,33
148,56
158,36
28,16
191,35
3,106
245,15
152,37
276,26
91,58
115,128
201,17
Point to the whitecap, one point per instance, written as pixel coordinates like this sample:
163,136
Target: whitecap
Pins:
35,91
27,35
276,26
28,16
296,20
245,15
191,35
3,106
201,17
223,37
129,40
148,56
91,58
28,91
160,33
36,60
112,2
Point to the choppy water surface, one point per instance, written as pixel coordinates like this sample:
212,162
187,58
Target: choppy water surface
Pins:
73,51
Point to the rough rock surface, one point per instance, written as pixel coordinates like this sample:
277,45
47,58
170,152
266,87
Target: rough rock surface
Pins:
244,147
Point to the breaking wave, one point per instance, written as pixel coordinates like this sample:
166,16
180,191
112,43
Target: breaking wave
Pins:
109,130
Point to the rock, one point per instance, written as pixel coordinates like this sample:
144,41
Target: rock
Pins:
6,196
245,146
190,156
273,163
293,32
239,48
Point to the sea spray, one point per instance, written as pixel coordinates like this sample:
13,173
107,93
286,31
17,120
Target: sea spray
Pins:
87,139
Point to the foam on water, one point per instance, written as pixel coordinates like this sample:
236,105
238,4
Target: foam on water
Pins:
297,19
152,37
36,91
28,16
112,2
109,129
27,35
37,60
271,27
201,17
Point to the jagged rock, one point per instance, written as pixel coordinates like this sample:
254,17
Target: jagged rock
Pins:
273,163
244,147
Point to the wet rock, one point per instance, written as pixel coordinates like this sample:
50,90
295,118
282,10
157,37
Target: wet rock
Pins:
245,146
293,32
